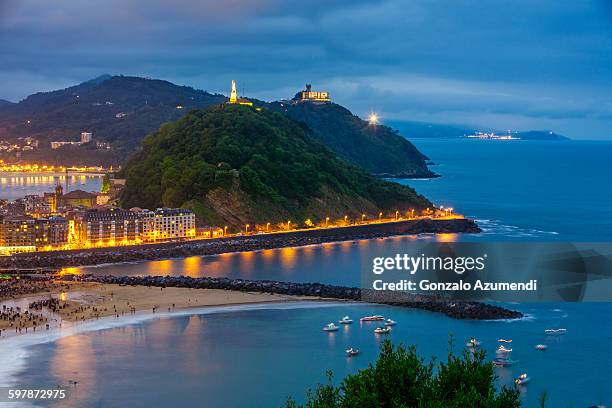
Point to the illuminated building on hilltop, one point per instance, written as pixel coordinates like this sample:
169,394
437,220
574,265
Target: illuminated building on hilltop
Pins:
308,95
235,100
86,137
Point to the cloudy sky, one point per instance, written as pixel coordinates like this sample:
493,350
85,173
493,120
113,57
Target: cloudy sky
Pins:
513,64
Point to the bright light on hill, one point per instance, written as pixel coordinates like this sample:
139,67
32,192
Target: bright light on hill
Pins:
373,119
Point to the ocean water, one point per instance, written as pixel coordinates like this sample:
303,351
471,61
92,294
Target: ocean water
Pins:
524,190
256,358
517,190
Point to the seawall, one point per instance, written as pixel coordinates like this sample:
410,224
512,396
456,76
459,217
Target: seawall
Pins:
454,309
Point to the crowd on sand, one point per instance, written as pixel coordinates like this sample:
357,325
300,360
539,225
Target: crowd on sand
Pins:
12,288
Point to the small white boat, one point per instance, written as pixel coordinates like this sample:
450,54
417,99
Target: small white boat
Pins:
541,347
330,328
345,320
351,352
504,341
555,332
502,349
390,322
522,379
382,330
473,343
374,318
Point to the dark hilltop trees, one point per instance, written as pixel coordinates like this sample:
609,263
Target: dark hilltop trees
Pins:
402,379
235,164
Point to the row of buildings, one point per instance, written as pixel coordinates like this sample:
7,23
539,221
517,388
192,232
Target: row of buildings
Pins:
84,228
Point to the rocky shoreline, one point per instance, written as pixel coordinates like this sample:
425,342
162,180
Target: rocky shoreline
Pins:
454,309
96,256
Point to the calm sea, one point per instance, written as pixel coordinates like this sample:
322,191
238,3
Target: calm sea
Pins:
517,190
17,185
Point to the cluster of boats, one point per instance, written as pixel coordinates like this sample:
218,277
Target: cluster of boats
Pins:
503,353
385,329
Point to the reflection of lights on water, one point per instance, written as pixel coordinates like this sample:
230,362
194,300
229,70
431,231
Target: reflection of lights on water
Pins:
63,296
192,266
288,257
446,237
331,338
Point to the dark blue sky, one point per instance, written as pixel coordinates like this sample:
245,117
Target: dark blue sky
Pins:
514,64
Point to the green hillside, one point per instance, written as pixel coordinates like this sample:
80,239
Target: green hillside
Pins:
235,165
118,109
121,110
378,149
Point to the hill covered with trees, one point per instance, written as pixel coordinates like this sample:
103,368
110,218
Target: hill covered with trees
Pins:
235,165
378,149
121,110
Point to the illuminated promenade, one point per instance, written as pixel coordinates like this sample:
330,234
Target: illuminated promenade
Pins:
446,228
54,170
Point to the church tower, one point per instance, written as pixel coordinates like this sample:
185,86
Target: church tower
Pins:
59,192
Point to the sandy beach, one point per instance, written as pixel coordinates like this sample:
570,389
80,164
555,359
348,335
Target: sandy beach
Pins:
65,302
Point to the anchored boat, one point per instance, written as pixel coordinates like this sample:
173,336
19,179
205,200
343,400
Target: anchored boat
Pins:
374,318
345,320
330,328
503,350
473,343
382,330
522,379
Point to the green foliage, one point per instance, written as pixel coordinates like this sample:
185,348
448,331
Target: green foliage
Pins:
401,379
377,149
146,104
106,184
271,158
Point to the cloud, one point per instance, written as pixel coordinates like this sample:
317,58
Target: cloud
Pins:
547,60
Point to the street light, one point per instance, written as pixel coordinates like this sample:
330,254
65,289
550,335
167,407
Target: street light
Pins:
326,221
246,230
225,230
346,219
396,215
380,216
268,227
363,217
289,225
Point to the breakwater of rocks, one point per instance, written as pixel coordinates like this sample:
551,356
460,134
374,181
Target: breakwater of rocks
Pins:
458,310
96,256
